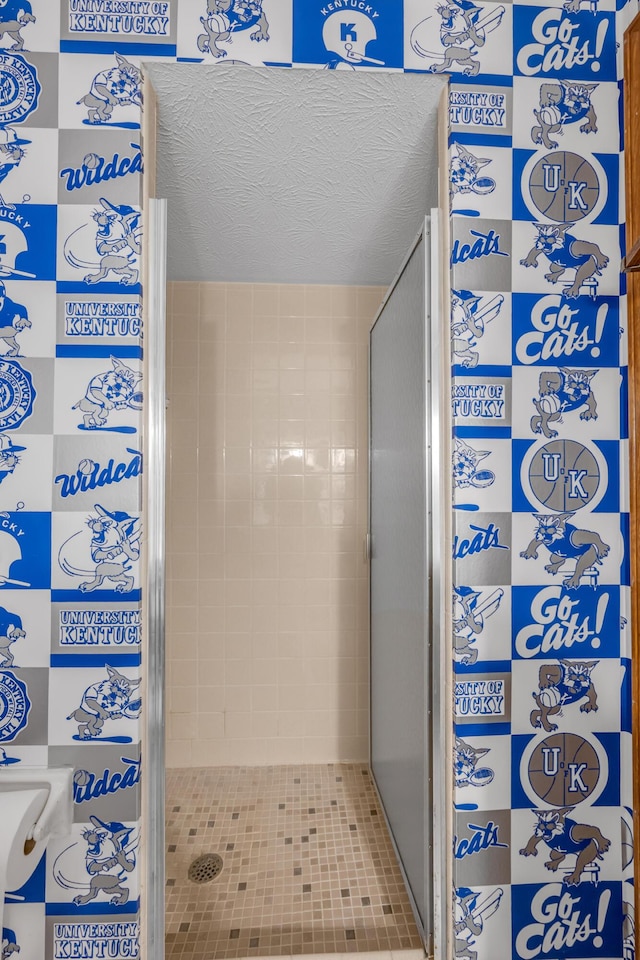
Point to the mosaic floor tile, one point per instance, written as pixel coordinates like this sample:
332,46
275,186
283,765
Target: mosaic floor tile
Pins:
308,864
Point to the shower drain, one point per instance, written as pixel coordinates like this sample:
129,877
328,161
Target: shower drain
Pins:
205,868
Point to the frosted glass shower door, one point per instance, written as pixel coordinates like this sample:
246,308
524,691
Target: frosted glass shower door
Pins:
401,567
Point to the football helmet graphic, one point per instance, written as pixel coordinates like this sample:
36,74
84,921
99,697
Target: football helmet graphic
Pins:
346,35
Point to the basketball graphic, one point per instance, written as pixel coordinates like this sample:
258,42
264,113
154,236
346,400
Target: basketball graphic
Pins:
564,769
564,187
564,475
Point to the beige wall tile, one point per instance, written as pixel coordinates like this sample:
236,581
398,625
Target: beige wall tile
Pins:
186,298
178,753
267,599
265,299
210,724
291,300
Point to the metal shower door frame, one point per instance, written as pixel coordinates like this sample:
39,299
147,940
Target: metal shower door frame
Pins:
438,679
153,610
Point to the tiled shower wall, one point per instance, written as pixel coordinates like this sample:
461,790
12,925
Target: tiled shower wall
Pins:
267,617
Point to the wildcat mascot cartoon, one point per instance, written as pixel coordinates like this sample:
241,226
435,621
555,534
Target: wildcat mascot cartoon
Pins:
565,252
565,837
106,553
223,17
469,617
470,314
119,86
102,869
115,389
112,245
565,542
562,391
109,699
563,103
470,911
568,681
466,771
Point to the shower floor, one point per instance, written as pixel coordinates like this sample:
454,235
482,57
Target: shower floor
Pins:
308,864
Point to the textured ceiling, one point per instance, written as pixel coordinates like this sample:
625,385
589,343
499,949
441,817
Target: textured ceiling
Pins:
293,176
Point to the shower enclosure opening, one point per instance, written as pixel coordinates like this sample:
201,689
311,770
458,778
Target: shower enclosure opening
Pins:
292,200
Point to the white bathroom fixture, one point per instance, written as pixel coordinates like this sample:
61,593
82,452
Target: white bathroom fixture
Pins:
56,817
36,803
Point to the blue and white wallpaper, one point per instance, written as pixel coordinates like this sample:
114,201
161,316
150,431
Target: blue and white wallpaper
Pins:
543,795
541,642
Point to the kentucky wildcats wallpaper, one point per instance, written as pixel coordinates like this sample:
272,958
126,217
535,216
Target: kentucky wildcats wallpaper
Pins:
543,829
543,845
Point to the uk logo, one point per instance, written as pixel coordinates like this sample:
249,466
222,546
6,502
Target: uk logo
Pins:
14,705
17,394
564,475
564,187
19,88
564,768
